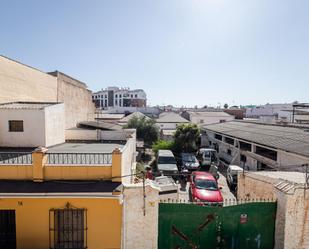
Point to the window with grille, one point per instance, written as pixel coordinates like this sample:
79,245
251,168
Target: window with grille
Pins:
68,228
16,126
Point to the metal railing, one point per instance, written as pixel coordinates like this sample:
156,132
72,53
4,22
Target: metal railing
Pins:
80,158
15,158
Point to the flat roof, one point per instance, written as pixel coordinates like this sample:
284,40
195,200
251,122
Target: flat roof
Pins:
290,139
91,147
61,186
296,177
171,117
100,125
210,114
27,105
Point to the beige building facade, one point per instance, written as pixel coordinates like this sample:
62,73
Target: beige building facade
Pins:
19,82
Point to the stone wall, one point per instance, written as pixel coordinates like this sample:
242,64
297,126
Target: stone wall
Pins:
140,223
252,186
292,218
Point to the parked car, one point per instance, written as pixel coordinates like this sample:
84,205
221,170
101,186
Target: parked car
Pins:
204,189
166,164
231,175
206,157
188,162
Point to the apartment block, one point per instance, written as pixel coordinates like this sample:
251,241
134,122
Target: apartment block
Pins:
119,97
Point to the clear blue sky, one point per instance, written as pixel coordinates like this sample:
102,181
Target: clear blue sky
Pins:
181,52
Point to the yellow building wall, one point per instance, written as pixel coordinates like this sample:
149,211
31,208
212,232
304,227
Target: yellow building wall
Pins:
32,220
16,172
77,172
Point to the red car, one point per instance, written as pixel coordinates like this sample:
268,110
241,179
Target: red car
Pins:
204,189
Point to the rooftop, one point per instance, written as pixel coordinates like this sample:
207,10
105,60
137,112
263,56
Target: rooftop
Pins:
27,105
90,147
290,139
171,117
210,114
100,125
295,177
134,114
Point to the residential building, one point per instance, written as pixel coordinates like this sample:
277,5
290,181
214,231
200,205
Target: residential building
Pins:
259,146
207,117
119,97
168,122
72,185
267,110
32,124
20,82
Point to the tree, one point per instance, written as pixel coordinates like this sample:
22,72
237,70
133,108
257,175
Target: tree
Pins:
146,129
186,138
226,106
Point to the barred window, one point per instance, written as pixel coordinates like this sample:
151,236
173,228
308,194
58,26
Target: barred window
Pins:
16,125
68,228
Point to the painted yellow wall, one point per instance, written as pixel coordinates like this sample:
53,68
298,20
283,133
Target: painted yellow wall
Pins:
32,220
84,172
16,172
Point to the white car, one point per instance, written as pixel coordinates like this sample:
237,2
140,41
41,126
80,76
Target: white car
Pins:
231,175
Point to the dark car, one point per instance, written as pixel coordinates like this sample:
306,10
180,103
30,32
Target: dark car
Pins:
189,162
204,189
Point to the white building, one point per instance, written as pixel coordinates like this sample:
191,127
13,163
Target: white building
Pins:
119,97
31,124
267,110
207,117
258,146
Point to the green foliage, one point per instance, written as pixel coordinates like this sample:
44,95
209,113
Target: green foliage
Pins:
163,145
146,129
226,106
186,138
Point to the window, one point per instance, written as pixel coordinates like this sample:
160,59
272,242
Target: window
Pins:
271,154
116,102
135,95
222,120
229,152
245,146
131,95
68,228
16,126
116,96
229,140
119,95
243,158
201,121
219,137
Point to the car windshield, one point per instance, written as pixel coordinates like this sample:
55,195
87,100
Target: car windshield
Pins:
166,160
211,154
188,158
206,184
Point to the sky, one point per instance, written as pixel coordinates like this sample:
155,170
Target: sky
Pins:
181,52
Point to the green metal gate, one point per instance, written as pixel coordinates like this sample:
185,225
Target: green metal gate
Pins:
244,226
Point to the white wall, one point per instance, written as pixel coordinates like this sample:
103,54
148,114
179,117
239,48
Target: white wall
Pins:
140,231
54,125
167,126
34,128
42,127
202,120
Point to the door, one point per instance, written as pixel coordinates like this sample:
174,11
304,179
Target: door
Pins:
7,229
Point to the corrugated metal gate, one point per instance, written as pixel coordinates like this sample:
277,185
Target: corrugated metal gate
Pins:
244,226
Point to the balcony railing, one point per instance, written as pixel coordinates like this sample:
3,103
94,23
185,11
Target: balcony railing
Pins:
15,158
79,158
